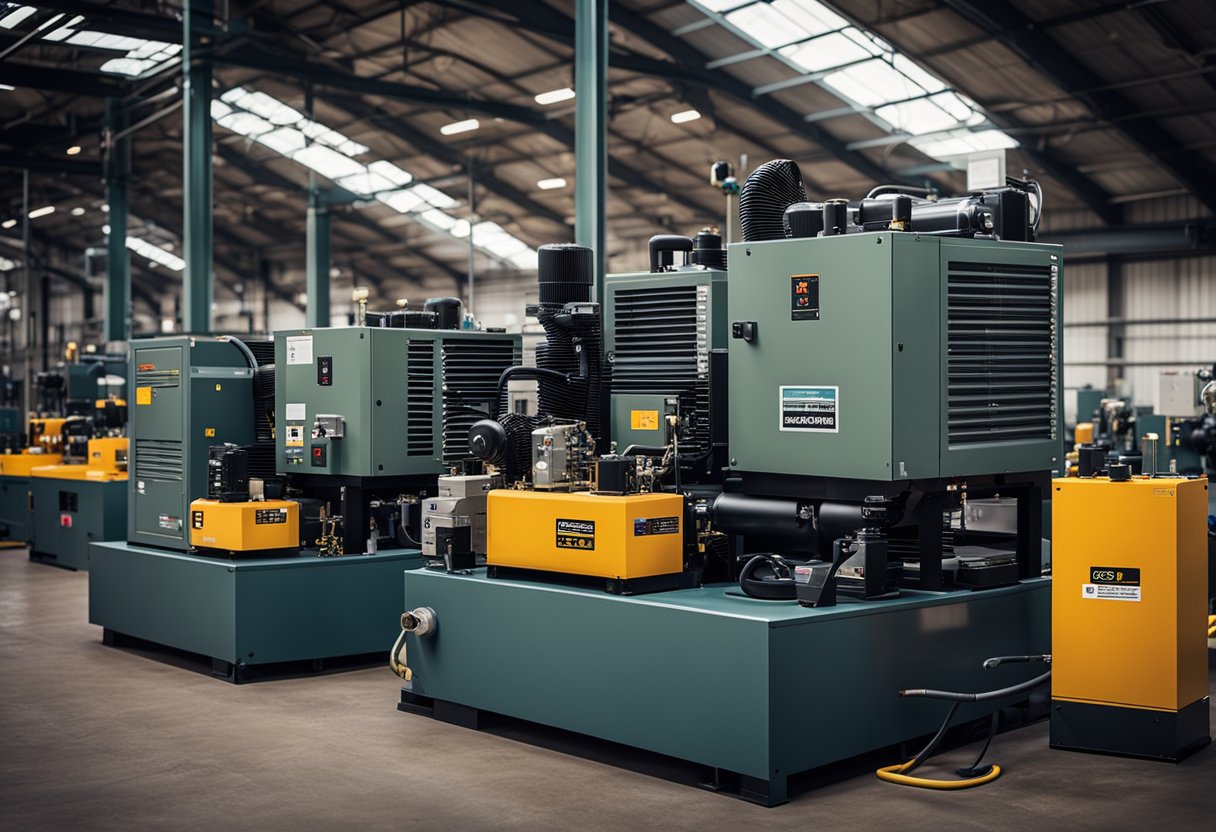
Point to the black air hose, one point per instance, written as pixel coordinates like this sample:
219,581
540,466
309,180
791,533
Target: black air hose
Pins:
771,188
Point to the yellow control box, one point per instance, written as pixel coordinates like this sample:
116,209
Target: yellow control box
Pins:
245,527
1129,609
597,535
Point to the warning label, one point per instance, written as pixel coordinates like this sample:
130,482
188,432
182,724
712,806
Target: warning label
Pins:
1112,583
655,525
811,409
575,534
1110,592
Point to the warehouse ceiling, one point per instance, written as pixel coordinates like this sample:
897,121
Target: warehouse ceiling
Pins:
395,107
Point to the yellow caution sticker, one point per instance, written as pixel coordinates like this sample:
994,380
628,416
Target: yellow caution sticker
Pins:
209,432
143,395
644,419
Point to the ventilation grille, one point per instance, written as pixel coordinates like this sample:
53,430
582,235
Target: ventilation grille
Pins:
662,347
158,378
471,367
420,397
158,459
1001,366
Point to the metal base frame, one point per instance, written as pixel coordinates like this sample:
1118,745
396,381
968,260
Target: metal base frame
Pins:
250,618
751,691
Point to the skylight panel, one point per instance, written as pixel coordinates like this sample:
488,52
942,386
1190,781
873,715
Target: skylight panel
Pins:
916,117
366,183
402,201
435,197
812,16
16,17
920,77
953,104
127,66
527,259
872,83
391,172
285,140
439,219
247,124
722,5
961,142
271,109
327,161
825,52
766,25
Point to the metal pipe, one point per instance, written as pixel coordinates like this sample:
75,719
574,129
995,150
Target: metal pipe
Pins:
152,119
590,131
198,286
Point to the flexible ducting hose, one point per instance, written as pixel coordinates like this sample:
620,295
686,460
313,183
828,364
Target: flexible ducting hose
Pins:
243,347
771,188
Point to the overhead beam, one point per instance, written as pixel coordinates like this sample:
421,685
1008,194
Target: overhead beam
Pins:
1149,239
53,79
689,65
76,167
1016,30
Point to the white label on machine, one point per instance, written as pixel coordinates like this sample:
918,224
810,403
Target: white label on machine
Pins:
1110,592
299,349
295,411
812,409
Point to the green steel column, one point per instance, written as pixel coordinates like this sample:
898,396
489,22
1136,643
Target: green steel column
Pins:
591,130
118,259
317,259
198,289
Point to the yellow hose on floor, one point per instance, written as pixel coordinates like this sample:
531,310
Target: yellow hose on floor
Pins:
894,774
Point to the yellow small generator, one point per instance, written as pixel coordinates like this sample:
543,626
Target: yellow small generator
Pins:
635,541
245,528
1129,605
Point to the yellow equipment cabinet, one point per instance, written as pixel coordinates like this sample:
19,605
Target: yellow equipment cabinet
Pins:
1129,604
627,539
265,526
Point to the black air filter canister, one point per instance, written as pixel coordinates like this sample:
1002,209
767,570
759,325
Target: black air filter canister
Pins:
771,188
707,250
803,219
448,312
565,272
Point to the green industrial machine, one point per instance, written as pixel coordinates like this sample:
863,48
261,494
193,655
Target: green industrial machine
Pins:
15,517
326,449
189,393
665,339
886,362
917,357
383,402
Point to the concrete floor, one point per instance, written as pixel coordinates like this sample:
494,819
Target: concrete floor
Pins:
93,737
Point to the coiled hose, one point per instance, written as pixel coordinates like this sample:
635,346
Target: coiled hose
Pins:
973,775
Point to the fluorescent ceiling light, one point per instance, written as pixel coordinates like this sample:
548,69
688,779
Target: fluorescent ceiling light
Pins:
7,87
16,17
550,184
8,223
42,212
684,115
460,127
554,96
73,150
78,211
155,253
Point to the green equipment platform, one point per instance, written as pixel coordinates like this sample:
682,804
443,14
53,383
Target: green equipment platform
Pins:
752,691
15,520
269,615
69,514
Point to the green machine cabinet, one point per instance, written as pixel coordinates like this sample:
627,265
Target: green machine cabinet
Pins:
189,393
402,399
69,514
666,338
15,518
895,356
